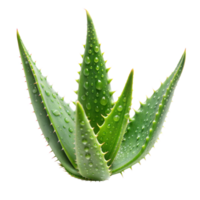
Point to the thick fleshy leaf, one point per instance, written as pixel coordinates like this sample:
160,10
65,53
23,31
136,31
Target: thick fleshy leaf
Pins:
145,126
60,116
90,158
94,86
102,145
112,131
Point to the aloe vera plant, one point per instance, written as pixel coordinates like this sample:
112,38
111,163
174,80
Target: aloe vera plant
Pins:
99,139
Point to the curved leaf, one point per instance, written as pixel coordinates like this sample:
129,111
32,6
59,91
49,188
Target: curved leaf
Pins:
57,118
112,131
144,128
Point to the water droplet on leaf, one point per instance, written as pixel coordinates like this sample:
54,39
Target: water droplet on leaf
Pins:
86,85
86,72
88,106
119,108
56,112
87,60
84,141
97,109
126,115
66,120
54,95
116,118
83,97
90,164
103,101
87,156
96,59
47,93
70,130
86,149
99,85
96,49
97,67
34,90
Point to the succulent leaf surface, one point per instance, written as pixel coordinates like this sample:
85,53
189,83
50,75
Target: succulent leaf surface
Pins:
98,139
144,127
112,131
90,158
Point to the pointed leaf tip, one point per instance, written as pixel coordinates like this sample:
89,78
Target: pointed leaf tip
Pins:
17,31
86,155
186,51
116,122
158,109
87,11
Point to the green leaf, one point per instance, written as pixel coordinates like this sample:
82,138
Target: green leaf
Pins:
90,158
112,131
59,116
94,89
144,128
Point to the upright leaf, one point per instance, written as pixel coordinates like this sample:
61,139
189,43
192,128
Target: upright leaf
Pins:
90,158
112,131
54,115
94,88
144,128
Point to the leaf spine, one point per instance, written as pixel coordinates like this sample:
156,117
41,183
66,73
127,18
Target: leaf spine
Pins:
77,72
112,79
109,68
111,93
102,144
